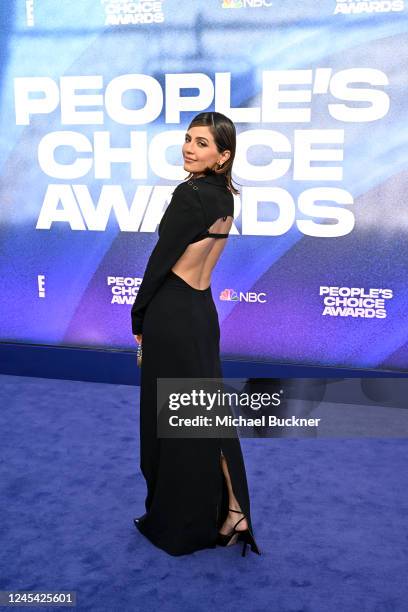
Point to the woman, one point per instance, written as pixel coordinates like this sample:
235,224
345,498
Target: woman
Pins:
197,493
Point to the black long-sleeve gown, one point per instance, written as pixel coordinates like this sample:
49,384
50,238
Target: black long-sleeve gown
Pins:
187,497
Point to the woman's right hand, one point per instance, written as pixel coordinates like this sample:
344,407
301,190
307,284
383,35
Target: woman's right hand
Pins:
138,338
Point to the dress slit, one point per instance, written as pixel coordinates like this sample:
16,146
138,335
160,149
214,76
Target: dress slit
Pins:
238,484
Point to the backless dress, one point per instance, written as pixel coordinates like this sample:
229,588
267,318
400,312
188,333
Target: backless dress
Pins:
187,497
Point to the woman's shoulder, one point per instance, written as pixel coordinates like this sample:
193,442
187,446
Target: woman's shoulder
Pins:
186,188
185,205
185,198
216,199
211,191
212,184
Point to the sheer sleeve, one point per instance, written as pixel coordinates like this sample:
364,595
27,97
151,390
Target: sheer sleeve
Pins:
182,221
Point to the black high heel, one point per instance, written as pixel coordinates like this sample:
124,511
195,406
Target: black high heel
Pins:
235,535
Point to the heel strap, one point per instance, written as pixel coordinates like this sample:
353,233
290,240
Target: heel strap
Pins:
241,519
239,511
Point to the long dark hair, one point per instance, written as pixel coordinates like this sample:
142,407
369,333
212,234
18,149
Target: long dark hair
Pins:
224,134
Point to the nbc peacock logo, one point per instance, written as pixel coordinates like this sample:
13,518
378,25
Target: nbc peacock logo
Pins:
229,295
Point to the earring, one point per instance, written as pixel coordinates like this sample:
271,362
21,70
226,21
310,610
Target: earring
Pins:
220,165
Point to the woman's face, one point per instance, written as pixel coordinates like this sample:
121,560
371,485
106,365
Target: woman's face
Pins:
200,151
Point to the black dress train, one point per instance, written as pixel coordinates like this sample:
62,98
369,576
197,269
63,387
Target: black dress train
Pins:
187,496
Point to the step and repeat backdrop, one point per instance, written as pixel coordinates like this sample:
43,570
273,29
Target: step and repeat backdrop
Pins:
95,100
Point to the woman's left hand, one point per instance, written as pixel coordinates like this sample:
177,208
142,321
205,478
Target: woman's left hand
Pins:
138,338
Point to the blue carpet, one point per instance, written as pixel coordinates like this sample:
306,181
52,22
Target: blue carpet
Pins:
330,516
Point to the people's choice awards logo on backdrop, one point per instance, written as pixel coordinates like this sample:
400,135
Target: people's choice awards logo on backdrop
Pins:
229,295
355,302
118,12
123,288
81,158
355,7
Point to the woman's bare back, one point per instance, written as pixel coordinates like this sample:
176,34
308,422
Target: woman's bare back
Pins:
196,264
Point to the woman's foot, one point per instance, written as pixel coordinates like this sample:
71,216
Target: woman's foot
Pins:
232,520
